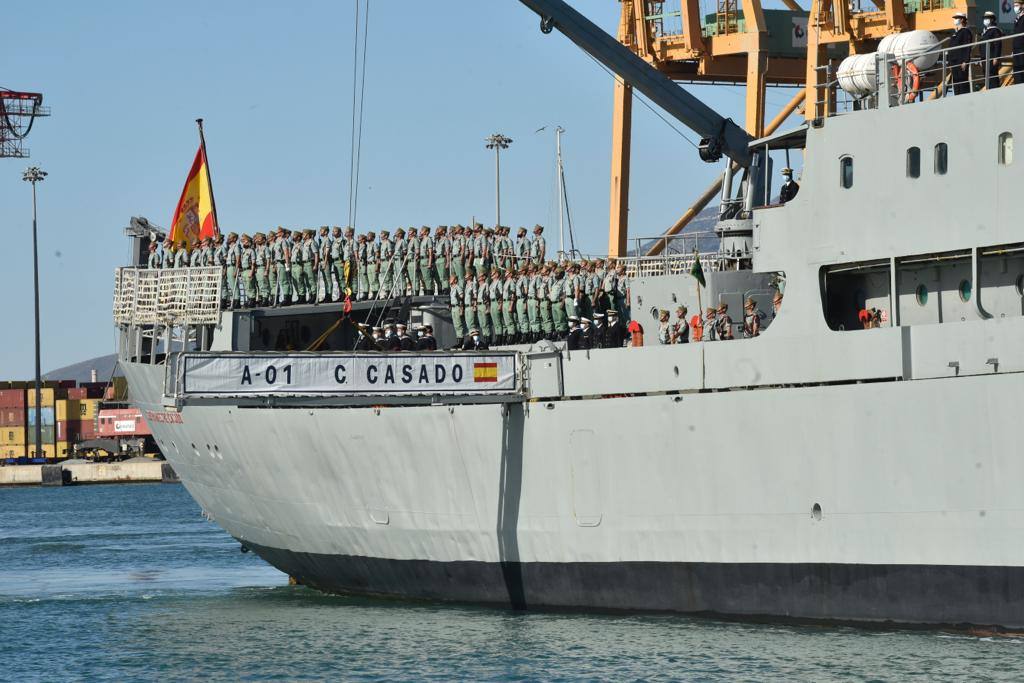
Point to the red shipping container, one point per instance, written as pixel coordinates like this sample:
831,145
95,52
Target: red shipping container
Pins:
12,398
12,417
78,393
122,422
80,430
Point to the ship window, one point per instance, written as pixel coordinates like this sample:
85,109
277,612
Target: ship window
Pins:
914,162
941,158
846,172
965,290
922,295
1005,149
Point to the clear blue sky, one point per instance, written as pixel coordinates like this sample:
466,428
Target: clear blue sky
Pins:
273,81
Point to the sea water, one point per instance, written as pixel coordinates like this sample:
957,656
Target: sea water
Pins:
129,582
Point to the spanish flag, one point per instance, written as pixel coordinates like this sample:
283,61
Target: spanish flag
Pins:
485,372
195,217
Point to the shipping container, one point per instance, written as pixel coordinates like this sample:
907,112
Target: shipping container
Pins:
77,393
12,451
63,449
47,396
12,417
66,383
46,413
48,451
12,398
85,409
122,422
60,409
10,436
80,430
94,389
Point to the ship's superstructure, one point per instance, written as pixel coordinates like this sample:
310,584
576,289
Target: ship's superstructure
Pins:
821,470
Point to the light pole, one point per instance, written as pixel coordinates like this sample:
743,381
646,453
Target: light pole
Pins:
497,142
34,174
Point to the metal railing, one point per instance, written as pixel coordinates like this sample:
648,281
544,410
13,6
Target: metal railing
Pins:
677,254
168,296
982,65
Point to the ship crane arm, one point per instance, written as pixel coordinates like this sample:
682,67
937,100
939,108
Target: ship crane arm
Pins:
719,135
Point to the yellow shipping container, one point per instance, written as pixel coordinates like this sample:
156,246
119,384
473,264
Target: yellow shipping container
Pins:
62,408
49,451
63,449
84,409
12,436
45,394
15,451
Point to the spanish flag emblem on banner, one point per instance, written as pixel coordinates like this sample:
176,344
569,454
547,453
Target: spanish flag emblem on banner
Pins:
195,217
485,372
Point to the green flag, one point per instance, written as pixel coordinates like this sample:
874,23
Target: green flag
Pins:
697,271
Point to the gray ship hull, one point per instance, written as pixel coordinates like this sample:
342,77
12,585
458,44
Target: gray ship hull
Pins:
697,503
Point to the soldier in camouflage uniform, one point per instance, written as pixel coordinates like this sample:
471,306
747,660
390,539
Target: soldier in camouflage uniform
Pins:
372,264
325,264
442,258
426,247
282,257
543,290
557,296
508,302
456,297
538,247
478,248
232,262
247,266
387,267
310,265
494,294
469,301
362,284
522,284
483,305
412,263
458,253
261,257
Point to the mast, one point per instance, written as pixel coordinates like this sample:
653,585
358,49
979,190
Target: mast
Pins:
560,181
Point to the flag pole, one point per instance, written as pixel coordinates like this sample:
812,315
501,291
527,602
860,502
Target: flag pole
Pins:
209,175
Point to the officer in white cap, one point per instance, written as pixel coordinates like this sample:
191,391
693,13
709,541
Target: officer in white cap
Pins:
474,341
789,186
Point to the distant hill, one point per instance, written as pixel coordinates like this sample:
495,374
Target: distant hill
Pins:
82,372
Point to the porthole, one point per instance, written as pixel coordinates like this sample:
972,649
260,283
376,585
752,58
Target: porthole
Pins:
941,158
846,172
816,512
965,290
1005,149
654,313
922,295
914,162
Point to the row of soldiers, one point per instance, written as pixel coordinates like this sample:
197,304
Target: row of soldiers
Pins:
534,301
286,266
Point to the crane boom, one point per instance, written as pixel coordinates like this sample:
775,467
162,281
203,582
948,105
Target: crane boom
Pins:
719,135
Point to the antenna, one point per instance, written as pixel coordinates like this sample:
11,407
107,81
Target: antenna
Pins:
560,181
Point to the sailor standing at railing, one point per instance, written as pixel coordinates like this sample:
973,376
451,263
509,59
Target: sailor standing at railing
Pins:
991,51
958,57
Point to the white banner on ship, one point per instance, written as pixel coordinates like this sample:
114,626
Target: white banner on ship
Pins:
363,374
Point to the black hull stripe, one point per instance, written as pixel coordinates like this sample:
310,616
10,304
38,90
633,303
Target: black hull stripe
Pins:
948,595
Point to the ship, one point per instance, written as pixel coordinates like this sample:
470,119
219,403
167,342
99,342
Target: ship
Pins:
826,470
